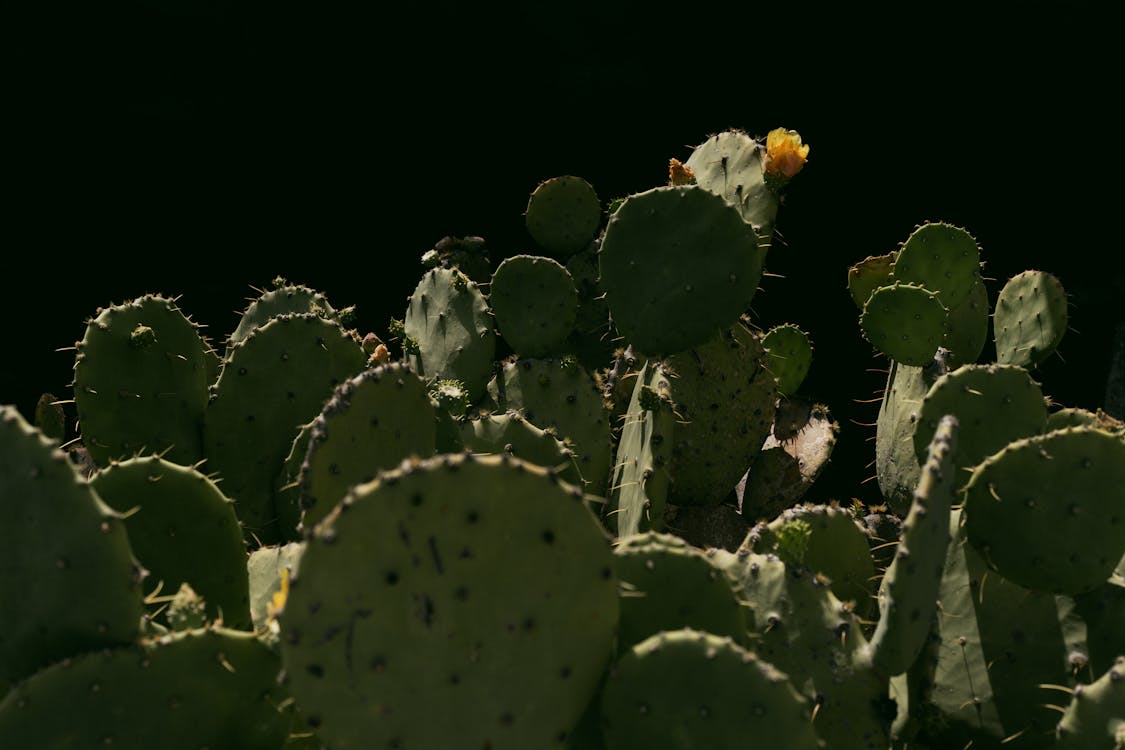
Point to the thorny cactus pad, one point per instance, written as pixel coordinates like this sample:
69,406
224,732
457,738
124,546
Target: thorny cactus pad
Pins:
476,577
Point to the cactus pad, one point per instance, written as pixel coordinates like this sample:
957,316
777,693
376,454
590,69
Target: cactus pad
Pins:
790,355
678,264
1030,319
563,215
513,435
286,299
731,164
943,258
904,322
1096,715
869,274
1048,512
477,574
535,303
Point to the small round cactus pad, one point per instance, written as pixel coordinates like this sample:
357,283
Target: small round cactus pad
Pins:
563,215
905,322
1030,318
535,303
483,615
678,264
1048,512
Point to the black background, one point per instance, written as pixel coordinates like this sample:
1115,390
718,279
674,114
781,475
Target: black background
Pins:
185,147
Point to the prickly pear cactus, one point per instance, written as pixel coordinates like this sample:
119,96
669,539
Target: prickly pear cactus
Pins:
906,322
182,529
140,382
68,579
512,435
1031,318
790,356
282,300
563,215
476,575
732,164
535,303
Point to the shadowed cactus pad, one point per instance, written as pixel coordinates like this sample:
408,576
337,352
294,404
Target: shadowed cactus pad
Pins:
1048,512
563,215
721,696
535,303
678,264
483,586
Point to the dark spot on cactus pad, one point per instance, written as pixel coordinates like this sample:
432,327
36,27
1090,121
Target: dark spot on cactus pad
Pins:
461,593
315,670
391,578
549,536
378,664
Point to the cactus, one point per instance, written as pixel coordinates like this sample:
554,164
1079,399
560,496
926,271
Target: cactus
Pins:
563,214
906,322
535,303
790,356
1031,318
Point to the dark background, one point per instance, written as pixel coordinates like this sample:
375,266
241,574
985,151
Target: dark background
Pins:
186,148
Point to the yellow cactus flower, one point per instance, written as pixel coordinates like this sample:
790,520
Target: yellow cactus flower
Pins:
277,602
680,173
785,154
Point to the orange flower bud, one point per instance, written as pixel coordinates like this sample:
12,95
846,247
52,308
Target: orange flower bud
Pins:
785,154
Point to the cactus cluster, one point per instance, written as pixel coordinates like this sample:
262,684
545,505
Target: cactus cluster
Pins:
320,540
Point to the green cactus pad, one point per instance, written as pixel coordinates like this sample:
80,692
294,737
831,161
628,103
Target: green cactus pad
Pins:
908,594
469,255
721,696
967,327
943,258
790,355
725,401
274,381
994,405
666,584
563,215
805,631
1095,717
535,303
204,688
905,322
559,396
592,339
183,530
68,579
372,422
1048,512
837,547
50,418
140,382
731,164
1030,318
513,435
869,274
1071,417
287,299
999,644
678,264
264,569
639,488
451,323
477,576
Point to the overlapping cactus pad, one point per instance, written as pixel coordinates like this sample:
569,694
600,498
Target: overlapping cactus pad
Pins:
572,508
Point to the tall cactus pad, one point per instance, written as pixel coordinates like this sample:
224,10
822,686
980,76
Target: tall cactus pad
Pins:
487,589
721,696
559,396
666,584
905,322
869,274
731,164
639,488
909,592
678,265
1096,715
944,259
140,382
372,422
725,402
1048,512
563,215
451,324
276,380
896,462
790,356
1030,319
290,298
204,688
183,530
68,581
592,339
994,405
535,303
967,327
